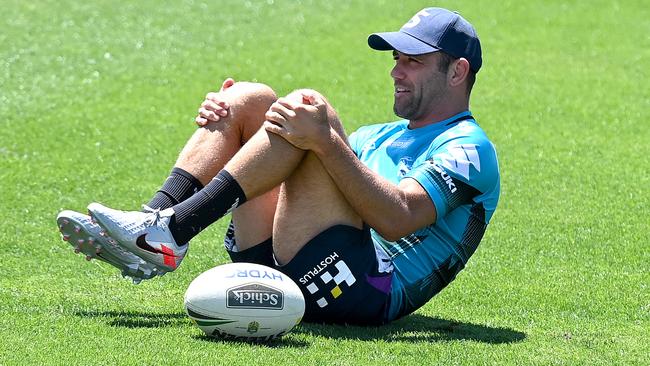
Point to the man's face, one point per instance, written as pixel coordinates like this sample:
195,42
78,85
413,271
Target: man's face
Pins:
420,86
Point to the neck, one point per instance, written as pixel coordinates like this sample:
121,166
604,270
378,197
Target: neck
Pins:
439,114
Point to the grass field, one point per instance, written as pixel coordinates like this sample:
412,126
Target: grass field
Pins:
96,100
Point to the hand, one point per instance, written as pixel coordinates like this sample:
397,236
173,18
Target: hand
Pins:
214,107
304,125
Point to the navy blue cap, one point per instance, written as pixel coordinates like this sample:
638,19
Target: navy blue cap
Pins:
431,30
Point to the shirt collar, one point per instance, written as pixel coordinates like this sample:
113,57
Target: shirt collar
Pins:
444,124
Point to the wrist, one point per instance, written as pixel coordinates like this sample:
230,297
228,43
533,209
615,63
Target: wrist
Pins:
327,143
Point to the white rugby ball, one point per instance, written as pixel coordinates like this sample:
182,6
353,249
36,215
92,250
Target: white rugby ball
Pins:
244,301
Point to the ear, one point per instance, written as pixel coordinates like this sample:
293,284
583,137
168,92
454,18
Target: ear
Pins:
458,71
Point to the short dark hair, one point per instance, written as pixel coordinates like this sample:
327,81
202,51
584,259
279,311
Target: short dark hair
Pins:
443,66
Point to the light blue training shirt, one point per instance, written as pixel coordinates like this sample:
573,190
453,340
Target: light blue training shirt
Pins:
456,164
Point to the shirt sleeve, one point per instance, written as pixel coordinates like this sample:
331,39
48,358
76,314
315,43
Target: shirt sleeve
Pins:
353,140
457,172
358,138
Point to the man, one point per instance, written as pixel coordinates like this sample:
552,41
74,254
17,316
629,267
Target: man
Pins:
370,228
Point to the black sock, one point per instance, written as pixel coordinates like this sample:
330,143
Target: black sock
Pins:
179,186
208,205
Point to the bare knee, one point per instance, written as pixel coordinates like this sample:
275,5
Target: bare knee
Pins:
297,94
332,115
248,103
250,94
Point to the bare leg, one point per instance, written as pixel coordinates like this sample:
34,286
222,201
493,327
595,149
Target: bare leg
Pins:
309,200
212,146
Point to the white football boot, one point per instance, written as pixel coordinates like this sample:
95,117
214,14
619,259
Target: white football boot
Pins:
88,238
145,234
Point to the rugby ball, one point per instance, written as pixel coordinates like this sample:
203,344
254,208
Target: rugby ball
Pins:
244,301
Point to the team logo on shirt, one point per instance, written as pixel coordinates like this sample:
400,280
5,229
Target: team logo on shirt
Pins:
324,278
458,159
443,174
404,166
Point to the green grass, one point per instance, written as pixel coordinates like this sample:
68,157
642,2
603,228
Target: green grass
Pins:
97,99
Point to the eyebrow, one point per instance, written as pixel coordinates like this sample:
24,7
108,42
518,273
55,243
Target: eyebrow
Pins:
416,57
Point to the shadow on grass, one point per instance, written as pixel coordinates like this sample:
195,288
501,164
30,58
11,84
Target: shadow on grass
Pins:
284,342
137,319
413,328
417,328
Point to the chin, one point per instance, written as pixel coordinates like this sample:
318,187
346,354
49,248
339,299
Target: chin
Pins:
398,111
401,113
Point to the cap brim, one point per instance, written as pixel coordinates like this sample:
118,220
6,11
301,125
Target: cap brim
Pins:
399,41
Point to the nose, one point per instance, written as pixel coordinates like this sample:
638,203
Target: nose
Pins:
397,73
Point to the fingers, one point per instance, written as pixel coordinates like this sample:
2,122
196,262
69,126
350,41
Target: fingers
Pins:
288,103
273,128
312,98
211,115
289,107
213,107
275,117
227,83
200,121
308,98
284,107
216,98
218,108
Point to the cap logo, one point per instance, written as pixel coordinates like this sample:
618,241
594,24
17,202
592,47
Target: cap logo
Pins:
416,19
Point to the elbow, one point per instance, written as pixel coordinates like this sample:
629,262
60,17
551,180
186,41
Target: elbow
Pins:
391,236
391,230
396,228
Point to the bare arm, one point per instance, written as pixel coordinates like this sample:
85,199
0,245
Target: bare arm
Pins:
393,210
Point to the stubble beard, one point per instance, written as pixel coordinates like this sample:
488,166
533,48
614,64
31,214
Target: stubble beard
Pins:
410,109
414,108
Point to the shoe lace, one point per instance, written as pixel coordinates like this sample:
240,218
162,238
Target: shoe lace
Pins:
151,220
